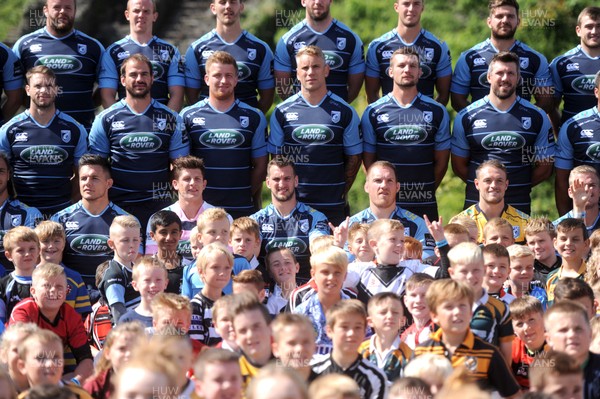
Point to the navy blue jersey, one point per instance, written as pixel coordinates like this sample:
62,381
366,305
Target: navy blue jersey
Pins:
316,138
518,138
13,289
293,231
343,51
167,66
116,286
433,54
140,147
87,237
253,56
573,77
470,71
75,59
227,142
579,141
11,72
43,157
12,214
408,137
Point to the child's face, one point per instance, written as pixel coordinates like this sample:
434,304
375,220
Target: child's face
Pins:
49,293
389,247
24,255
521,271
386,317
183,357
470,273
215,231
217,271
569,333
51,249
125,241
167,238
142,383
150,282
453,316
496,271
180,319
570,245
569,386
195,246
530,330
224,325
347,333
360,248
119,352
502,235
13,352
252,334
283,268
328,278
220,380
295,346
43,363
415,302
541,245
244,244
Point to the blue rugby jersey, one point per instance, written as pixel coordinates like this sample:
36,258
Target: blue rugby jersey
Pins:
227,142
408,137
343,51
43,157
573,77
253,56
579,141
434,56
11,72
316,138
470,71
518,138
167,66
87,237
75,59
140,147
12,214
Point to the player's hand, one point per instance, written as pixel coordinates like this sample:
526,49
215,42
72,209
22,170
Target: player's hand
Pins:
436,228
340,233
579,192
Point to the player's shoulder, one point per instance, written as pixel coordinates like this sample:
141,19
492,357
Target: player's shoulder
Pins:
575,51
497,304
336,23
430,36
202,40
158,106
402,213
514,213
388,36
255,39
68,211
119,106
69,119
528,49
14,121
294,31
26,38
198,106
476,49
89,40
340,102
164,43
248,108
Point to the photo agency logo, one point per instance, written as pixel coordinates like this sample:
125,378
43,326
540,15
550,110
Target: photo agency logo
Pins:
537,18
288,18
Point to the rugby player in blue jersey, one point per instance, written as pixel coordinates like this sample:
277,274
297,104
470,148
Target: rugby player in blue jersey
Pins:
44,146
343,51
71,54
319,132
229,136
505,127
11,82
256,86
140,136
411,131
166,60
435,61
470,71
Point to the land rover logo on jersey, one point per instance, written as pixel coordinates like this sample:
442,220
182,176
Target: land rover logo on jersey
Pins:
303,224
336,116
140,142
428,116
406,134
157,70
161,123
583,84
243,71
222,138
524,62
593,151
503,141
15,220
428,53
44,154
60,63
251,53
294,244
341,43
483,81
91,244
312,134
184,248
526,122
65,135
244,121
333,60
426,71
81,48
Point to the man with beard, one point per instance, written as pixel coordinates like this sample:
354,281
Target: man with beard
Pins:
470,71
256,86
492,182
43,145
409,130
287,222
229,136
382,186
166,60
140,136
343,50
72,55
505,127
436,64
